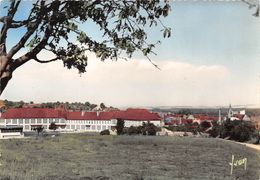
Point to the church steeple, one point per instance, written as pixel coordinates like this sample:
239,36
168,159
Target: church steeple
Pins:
230,112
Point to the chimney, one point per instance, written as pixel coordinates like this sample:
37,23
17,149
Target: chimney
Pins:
98,113
82,113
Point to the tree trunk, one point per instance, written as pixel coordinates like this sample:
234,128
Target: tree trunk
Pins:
5,73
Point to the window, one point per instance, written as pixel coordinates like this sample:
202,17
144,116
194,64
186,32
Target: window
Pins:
62,121
103,127
45,121
2,121
39,121
87,127
67,126
8,121
98,127
20,121
27,127
33,121
72,126
113,121
27,121
77,126
93,127
82,127
57,120
14,121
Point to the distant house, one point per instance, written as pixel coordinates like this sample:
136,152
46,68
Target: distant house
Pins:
237,115
199,118
136,117
177,119
31,118
241,117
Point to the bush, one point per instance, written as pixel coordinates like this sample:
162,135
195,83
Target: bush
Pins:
120,126
53,126
204,125
235,130
133,130
105,132
146,129
151,129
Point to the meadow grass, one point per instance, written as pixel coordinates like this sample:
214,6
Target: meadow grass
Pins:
84,156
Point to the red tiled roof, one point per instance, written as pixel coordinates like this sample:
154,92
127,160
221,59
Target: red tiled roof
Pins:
78,115
140,114
129,114
16,113
205,117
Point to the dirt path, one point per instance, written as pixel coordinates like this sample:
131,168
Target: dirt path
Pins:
254,146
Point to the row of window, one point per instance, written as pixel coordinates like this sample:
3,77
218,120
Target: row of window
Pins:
48,121
88,127
75,127
31,121
87,122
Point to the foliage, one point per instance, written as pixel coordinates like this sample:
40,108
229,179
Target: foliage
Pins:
87,106
204,126
120,126
235,130
53,126
105,132
132,130
151,129
102,106
146,129
39,129
184,111
56,26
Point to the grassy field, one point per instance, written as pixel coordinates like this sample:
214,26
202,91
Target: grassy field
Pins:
84,156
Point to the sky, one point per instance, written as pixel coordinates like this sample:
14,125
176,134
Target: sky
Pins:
211,59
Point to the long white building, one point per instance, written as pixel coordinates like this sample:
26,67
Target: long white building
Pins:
30,118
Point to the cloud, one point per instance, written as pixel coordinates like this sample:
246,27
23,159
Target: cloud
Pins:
134,82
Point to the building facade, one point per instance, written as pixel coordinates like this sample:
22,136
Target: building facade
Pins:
31,118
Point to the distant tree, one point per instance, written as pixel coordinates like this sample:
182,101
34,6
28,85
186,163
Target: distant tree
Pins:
39,129
151,129
242,132
53,126
132,130
235,130
184,111
204,125
105,132
120,126
92,106
103,106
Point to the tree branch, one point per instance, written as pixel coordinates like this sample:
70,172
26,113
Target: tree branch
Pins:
31,28
33,53
45,61
2,19
7,21
23,40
